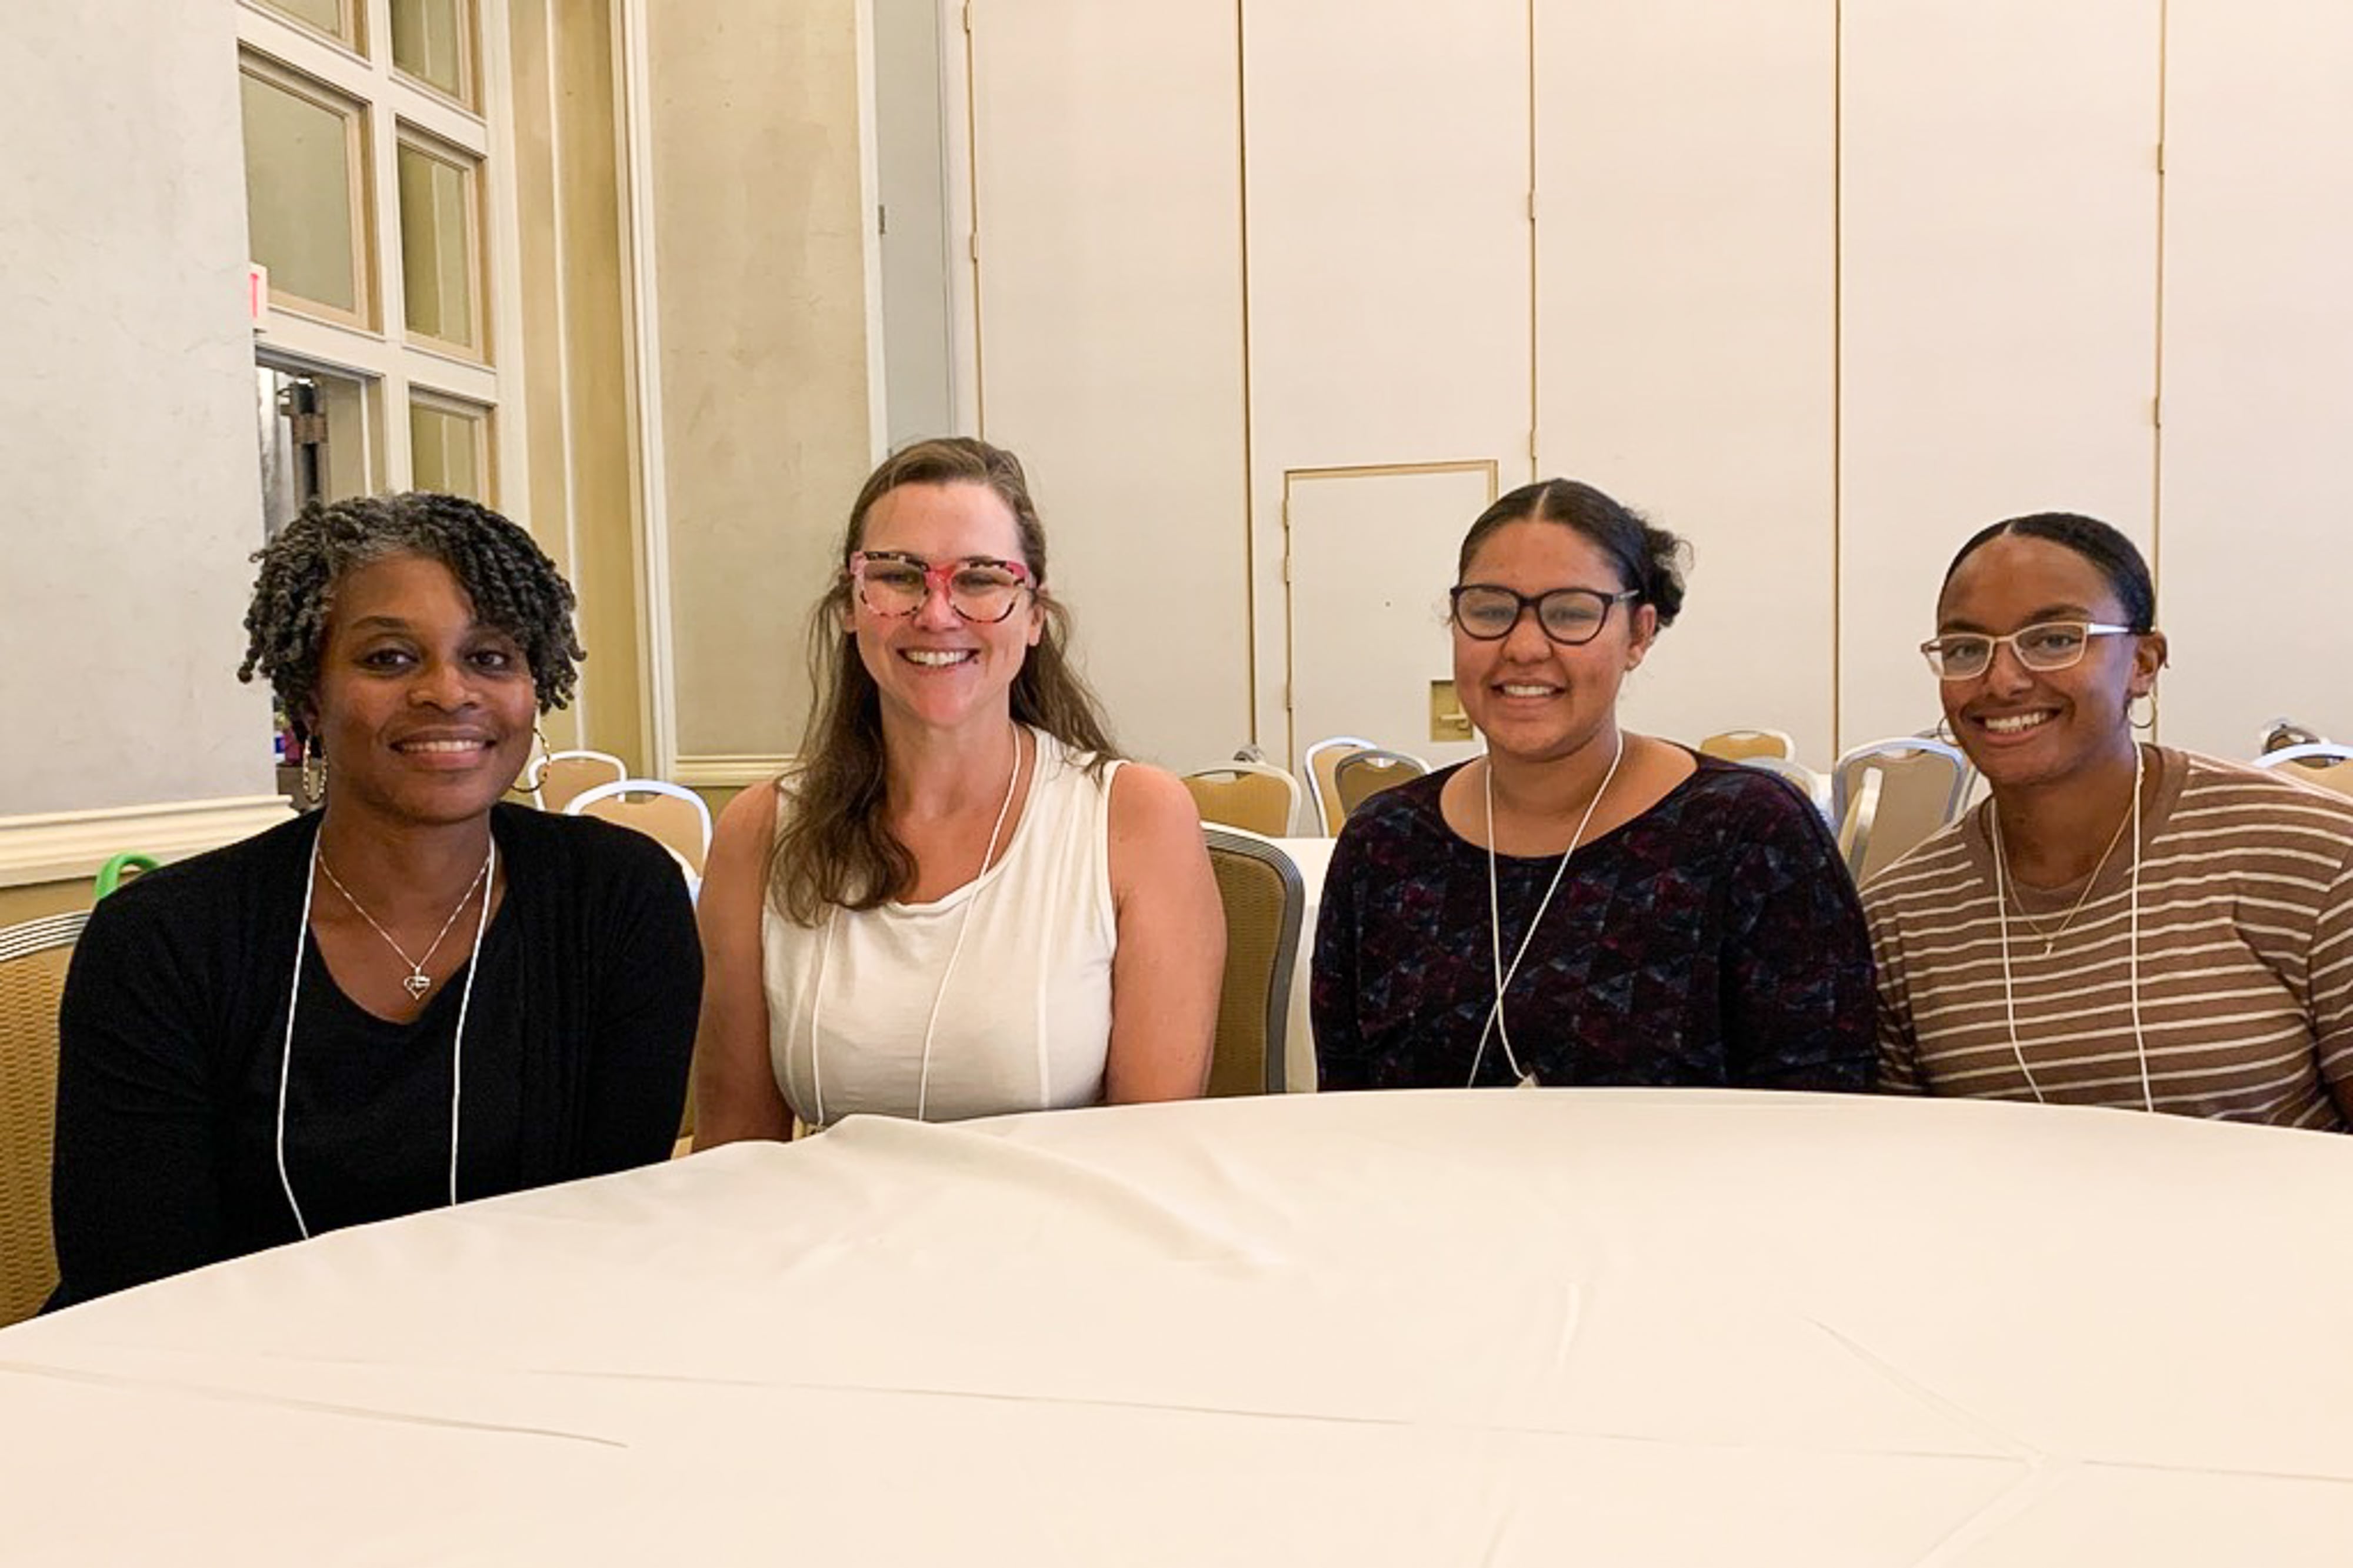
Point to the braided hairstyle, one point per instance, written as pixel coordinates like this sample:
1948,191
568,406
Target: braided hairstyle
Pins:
512,582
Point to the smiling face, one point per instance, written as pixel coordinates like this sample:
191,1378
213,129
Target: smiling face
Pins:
2023,726
1531,697
934,667
424,713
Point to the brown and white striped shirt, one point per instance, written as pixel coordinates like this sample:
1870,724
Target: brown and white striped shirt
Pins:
2245,958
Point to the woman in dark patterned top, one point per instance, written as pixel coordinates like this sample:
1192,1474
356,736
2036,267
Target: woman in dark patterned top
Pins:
1584,906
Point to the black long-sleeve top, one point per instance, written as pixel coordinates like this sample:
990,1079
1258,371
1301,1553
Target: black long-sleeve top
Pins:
174,1022
1714,940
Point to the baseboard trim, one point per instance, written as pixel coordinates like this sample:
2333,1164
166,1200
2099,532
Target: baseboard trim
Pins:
728,771
60,846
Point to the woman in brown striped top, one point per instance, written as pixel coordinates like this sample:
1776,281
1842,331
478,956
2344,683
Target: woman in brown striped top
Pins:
2120,924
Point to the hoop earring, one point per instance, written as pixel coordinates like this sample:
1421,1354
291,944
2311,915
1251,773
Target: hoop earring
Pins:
534,768
314,771
1944,732
2148,724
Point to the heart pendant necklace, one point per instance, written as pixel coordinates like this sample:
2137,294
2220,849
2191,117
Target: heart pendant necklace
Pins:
417,982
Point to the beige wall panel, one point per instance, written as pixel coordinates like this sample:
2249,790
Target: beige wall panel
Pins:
1368,632
540,311
2000,211
2254,568
761,280
1389,249
1108,189
595,384
1687,183
126,412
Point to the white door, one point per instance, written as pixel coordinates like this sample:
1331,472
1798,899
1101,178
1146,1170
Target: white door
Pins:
1372,555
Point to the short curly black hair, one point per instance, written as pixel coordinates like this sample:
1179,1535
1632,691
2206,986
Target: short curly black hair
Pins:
513,584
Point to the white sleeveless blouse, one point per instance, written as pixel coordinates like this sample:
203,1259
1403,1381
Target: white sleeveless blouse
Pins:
1025,1018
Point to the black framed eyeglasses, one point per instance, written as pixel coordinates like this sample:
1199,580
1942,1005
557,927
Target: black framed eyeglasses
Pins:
1571,616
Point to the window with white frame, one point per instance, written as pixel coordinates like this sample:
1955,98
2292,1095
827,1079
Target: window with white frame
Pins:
376,199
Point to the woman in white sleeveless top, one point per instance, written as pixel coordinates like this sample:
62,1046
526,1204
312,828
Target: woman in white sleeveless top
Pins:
959,902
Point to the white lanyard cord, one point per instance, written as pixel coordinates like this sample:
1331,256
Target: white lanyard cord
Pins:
456,1045
1503,977
964,921
2001,914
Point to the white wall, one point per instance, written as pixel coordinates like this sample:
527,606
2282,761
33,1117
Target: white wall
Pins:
1997,301
2258,396
127,425
1686,191
1110,343
1825,287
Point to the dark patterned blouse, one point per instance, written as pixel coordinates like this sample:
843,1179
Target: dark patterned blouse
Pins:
1714,940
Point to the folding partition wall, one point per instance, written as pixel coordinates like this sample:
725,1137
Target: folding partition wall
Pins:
1686,189
1997,301
1389,335
2256,494
1108,337
1824,285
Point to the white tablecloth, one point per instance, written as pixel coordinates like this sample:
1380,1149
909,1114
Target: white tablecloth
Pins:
1498,1327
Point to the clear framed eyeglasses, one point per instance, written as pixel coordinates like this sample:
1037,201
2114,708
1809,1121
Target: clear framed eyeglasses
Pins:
979,587
2044,645
1571,616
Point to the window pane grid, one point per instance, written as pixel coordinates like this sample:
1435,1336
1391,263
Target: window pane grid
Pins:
440,247
449,446
432,43
338,19
305,179
403,82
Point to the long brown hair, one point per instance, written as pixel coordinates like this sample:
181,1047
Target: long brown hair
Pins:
834,846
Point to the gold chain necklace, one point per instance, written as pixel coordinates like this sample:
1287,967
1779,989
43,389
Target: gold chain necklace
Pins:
2050,938
417,982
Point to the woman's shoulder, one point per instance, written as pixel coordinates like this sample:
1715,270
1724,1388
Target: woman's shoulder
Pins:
209,903
226,876
1733,794
2228,799
585,849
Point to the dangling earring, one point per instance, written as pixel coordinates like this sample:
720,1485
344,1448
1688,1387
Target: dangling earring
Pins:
2148,724
314,771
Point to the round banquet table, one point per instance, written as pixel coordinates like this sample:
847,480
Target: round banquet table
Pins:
1501,1327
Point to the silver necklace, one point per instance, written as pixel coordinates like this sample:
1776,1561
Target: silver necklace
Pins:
417,982
1522,1078
2050,938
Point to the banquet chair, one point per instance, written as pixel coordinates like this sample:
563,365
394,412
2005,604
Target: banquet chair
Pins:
1318,764
1265,902
1923,784
1746,746
2283,732
1253,796
1360,776
32,959
2323,764
672,815
553,780
1810,783
1854,827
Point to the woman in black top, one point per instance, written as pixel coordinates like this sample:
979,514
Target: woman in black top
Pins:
412,997
1582,905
